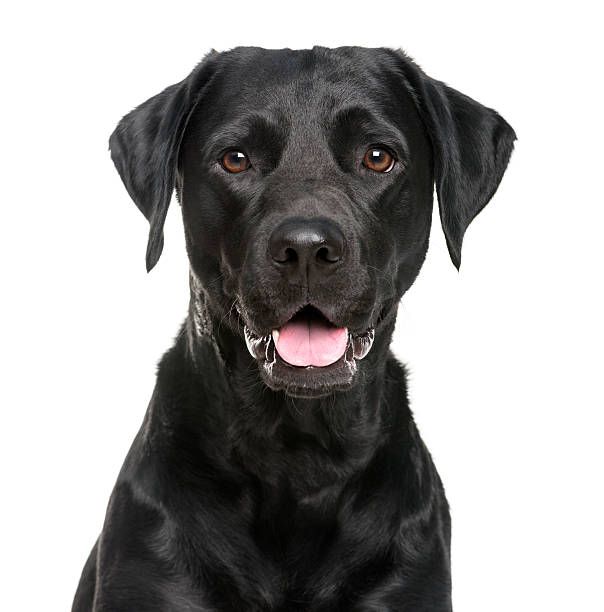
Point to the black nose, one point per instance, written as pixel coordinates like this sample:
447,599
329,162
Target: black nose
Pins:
301,247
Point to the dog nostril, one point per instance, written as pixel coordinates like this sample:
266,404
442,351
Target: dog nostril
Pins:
284,255
327,255
290,256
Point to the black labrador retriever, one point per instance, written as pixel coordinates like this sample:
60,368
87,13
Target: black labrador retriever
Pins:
278,466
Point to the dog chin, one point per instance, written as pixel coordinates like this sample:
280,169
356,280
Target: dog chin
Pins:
308,381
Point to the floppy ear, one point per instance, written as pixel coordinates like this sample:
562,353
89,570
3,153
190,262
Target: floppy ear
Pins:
471,144
145,145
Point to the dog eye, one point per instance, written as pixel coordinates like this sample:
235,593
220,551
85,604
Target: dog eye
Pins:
378,160
235,161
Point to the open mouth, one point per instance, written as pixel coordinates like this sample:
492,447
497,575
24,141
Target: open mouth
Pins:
308,356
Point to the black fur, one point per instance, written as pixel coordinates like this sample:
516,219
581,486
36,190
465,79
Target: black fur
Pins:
256,489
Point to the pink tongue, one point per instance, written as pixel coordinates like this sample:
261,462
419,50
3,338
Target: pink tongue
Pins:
304,342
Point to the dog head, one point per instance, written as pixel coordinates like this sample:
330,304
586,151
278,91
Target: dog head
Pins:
306,180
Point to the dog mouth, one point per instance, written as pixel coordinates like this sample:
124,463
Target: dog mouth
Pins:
309,356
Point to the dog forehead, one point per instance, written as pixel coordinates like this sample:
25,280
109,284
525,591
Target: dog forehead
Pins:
285,81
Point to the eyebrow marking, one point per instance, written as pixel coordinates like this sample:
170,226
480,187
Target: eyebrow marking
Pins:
364,123
236,133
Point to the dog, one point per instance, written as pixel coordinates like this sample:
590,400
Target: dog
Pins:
278,466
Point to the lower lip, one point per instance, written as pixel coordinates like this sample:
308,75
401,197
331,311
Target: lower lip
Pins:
307,381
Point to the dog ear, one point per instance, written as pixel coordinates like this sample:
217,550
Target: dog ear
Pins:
144,147
471,145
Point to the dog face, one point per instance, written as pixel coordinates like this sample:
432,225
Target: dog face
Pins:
306,179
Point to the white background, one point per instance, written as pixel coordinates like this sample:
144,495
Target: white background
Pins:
505,357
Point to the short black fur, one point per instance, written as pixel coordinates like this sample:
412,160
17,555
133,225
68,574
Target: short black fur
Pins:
254,485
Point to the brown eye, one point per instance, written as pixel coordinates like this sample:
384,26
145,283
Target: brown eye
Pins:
235,161
378,160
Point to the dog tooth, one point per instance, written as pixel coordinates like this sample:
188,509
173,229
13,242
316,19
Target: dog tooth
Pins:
275,335
349,353
363,344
